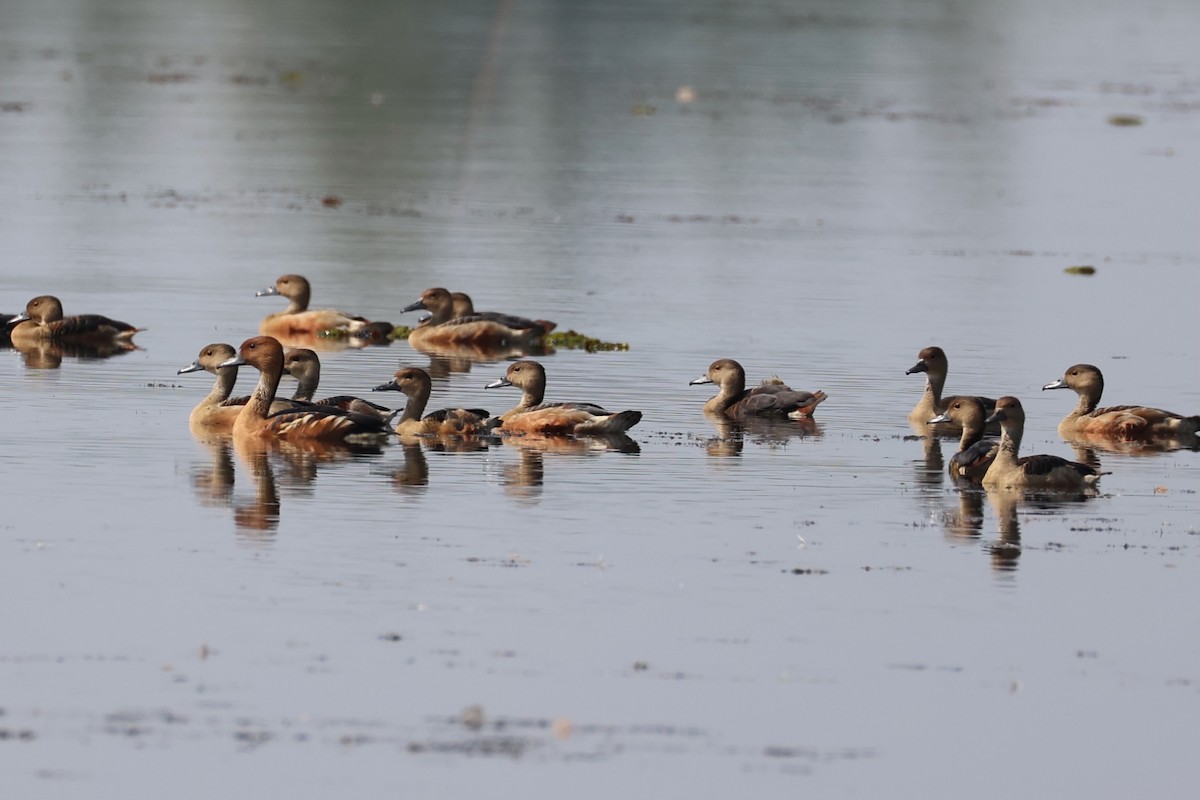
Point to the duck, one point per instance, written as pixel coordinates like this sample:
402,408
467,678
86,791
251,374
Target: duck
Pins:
314,423
442,329
298,320
1030,472
771,398
465,307
416,385
531,415
217,412
933,362
43,320
305,366
1124,423
975,453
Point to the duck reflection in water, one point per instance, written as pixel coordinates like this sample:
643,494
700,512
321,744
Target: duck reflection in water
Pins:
771,433
300,461
524,480
49,353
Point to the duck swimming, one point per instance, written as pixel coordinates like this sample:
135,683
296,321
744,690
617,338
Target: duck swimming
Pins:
531,415
43,320
416,385
771,398
1125,423
1033,472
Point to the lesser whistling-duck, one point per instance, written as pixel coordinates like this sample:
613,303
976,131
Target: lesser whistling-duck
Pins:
218,410
298,320
304,365
1117,422
465,307
975,453
43,320
443,329
933,362
416,385
771,398
531,415
265,354
1034,472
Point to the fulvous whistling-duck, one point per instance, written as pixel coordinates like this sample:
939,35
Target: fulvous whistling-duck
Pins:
265,354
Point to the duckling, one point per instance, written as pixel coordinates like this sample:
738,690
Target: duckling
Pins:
304,365
298,320
1124,423
531,415
771,398
933,362
975,453
416,385
1033,472
314,423
43,320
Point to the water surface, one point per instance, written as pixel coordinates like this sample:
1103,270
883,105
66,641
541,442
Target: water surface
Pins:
817,190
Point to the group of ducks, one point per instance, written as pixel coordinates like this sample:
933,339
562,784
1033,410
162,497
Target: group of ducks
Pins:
452,321
997,465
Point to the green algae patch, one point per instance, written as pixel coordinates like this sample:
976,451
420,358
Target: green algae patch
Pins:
400,332
573,340
1082,270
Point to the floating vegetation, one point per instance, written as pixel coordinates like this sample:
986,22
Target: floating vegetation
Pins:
1086,269
1125,120
573,340
400,332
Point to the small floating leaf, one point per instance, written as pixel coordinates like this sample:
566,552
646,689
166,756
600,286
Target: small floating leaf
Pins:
1124,120
1083,270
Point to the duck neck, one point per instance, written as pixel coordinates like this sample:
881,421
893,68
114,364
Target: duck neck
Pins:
264,394
415,405
222,386
1010,442
934,381
306,387
971,434
1087,403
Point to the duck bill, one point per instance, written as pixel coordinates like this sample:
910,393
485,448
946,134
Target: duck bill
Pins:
18,318
390,386
1058,384
267,292
939,418
700,380
417,306
236,361
192,367
499,383
920,366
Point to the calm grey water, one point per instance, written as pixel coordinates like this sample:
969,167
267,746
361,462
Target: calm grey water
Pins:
816,189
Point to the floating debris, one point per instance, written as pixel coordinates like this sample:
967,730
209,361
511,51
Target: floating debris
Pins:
1086,269
1125,120
573,340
